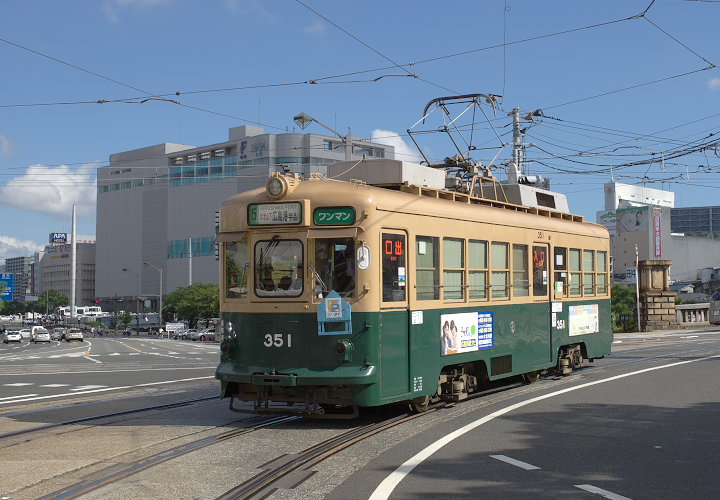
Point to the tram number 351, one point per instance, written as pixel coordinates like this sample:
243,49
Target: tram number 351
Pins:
278,340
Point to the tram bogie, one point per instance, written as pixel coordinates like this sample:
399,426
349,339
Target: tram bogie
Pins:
339,295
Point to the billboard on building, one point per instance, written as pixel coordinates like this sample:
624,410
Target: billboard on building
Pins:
7,286
632,219
56,238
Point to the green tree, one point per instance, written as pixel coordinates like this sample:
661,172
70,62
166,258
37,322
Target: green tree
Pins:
125,318
194,302
622,309
50,301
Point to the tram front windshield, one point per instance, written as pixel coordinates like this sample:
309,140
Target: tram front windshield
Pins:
280,272
279,268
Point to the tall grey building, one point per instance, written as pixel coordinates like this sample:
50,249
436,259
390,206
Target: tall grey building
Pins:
156,206
22,268
696,220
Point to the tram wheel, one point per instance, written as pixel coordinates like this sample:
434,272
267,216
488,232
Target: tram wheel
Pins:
419,405
531,377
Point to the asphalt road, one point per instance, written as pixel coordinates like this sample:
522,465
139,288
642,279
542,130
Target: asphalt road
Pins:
638,424
642,424
69,372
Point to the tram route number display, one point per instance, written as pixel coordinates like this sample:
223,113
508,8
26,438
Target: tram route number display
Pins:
466,332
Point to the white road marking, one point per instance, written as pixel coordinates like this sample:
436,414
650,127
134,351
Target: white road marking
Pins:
516,463
599,491
18,384
93,360
56,385
150,384
114,354
388,485
87,387
15,397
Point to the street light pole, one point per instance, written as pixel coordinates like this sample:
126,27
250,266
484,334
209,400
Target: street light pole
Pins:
303,120
160,302
137,298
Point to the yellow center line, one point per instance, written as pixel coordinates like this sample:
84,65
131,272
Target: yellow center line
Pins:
134,349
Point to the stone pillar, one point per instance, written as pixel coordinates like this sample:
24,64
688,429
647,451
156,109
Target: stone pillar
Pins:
657,301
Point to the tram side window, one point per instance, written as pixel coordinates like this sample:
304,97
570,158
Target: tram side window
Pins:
521,277
335,266
574,286
278,268
453,268
236,269
478,265
393,267
588,272
602,277
560,280
500,269
427,273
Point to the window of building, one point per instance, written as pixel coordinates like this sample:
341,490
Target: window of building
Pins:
205,155
521,275
500,269
453,268
328,145
178,160
192,158
219,152
427,274
478,268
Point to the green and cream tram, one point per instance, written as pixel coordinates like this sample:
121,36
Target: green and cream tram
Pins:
338,294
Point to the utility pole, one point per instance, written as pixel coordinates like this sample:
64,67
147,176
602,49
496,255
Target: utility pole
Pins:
515,169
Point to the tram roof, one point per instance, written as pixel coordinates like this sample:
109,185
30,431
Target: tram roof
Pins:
420,200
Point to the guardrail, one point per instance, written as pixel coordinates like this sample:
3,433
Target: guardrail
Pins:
693,314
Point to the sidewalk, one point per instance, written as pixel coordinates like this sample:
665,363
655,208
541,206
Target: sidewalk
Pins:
706,328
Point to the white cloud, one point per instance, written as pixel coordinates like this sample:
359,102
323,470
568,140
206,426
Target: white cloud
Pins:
111,7
316,28
52,190
12,247
5,146
403,151
714,84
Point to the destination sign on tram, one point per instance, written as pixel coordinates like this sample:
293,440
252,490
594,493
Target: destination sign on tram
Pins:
334,216
270,214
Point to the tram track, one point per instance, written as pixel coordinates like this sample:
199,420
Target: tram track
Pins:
78,421
113,474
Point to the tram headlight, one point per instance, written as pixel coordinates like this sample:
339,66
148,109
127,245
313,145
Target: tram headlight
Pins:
279,185
275,187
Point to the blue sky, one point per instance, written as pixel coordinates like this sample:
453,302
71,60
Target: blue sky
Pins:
623,94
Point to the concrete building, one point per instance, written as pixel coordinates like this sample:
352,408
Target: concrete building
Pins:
55,265
156,206
646,219
22,268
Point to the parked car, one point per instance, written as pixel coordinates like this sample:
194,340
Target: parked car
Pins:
25,332
188,334
40,335
10,336
205,335
74,334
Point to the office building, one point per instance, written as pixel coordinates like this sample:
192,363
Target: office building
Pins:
157,205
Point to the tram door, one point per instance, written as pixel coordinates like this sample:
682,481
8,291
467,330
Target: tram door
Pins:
541,295
394,327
